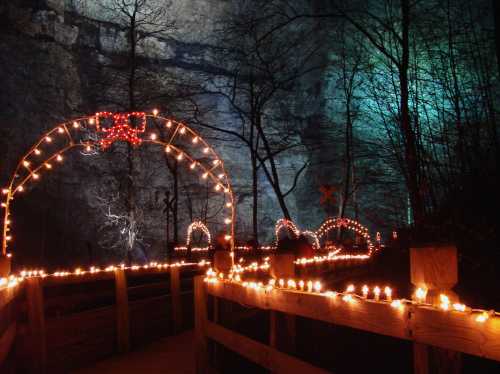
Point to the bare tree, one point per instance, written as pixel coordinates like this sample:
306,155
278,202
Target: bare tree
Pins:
260,77
139,20
349,69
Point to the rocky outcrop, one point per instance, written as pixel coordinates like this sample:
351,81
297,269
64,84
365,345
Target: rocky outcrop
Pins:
59,59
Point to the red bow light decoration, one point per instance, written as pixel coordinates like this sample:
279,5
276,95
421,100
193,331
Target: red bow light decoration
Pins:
122,128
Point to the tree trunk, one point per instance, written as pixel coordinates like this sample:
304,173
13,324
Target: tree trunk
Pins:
130,200
496,13
273,176
131,208
254,148
167,198
456,91
408,133
176,203
133,66
255,199
348,158
354,195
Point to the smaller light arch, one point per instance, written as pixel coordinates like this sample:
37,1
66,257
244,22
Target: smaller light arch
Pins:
200,226
285,224
352,225
290,226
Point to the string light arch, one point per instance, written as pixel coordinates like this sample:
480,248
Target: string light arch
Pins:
315,238
198,226
98,132
349,224
285,224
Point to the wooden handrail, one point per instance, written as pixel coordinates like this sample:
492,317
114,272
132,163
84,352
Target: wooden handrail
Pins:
23,310
375,317
456,331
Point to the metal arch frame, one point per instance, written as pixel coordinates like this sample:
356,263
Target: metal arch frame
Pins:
65,129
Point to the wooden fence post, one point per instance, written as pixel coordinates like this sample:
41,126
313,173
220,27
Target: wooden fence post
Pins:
36,323
223,263
5,264
282,328
436,270
122,315
175,297
200,321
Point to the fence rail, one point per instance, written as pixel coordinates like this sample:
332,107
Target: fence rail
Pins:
90,316
455,331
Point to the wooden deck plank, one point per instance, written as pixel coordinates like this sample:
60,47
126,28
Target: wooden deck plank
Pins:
174,354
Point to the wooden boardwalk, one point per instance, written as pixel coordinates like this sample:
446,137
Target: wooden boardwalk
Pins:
174,354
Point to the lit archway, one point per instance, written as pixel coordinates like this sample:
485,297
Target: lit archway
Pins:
98,132
291,227
196,226
349,224
285,224
329,224
200,226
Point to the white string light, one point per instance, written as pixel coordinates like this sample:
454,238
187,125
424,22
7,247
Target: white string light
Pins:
349,296
121,130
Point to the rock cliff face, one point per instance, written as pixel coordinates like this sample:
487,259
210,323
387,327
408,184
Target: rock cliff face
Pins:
57,61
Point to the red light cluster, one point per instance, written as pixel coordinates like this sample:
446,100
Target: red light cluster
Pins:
122,128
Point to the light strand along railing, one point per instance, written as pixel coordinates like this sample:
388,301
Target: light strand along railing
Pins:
93,272
34,331
454,331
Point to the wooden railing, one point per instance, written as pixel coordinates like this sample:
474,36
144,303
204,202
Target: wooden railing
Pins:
453,331
54,324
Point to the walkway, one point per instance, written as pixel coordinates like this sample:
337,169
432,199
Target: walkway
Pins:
174,354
